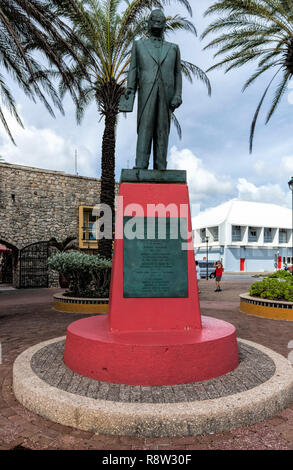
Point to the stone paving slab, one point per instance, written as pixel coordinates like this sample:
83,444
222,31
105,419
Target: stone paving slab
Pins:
254,369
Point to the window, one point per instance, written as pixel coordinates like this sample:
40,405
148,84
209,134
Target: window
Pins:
87,228
215,233
252,234
283,235
268,237
236,233
203,235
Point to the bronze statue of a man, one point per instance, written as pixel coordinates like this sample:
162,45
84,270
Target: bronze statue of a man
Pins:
155,71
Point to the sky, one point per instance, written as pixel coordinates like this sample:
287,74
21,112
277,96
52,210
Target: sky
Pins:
214,148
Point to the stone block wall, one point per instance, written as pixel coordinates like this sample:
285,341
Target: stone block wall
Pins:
37,204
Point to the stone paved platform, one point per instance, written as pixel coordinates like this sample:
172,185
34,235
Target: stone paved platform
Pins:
254,369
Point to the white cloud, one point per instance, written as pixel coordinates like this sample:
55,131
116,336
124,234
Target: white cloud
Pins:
42,148
201,182
272,193
287,165
260,167
266,169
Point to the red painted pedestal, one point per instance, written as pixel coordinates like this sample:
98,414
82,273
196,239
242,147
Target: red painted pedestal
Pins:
152,314
151,341
158,358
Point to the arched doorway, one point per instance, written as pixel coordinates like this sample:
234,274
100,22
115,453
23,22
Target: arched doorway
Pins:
33,265
8,262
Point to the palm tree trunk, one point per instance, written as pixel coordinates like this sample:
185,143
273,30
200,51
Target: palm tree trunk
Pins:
108,178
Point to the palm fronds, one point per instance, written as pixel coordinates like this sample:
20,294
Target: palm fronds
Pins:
258,31
28,31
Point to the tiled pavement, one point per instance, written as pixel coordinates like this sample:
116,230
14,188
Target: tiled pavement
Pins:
254,369
27,318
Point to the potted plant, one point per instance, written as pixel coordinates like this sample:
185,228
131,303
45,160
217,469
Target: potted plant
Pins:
89,279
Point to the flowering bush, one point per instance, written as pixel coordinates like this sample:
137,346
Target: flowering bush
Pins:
88,275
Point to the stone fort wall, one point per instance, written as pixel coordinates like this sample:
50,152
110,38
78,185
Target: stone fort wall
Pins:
37,204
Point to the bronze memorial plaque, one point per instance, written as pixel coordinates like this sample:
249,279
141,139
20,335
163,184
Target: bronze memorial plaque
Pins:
154,258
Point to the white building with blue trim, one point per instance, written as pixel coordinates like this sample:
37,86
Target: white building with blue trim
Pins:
246,236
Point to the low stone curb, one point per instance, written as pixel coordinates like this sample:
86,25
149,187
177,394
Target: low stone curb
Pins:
153,419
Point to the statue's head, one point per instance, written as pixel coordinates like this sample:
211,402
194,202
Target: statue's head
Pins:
157,22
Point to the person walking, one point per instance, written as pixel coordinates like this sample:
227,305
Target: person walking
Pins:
197,274
219,272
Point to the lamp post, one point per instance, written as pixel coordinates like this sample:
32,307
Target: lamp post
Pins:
290,184
207,242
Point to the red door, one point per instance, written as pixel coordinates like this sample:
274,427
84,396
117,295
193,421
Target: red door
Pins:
242,264
279,262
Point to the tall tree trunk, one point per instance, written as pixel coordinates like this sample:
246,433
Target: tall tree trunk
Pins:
108,97
108,178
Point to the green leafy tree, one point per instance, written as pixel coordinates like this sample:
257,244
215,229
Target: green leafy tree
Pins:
87,275
108,31
255,30
30,34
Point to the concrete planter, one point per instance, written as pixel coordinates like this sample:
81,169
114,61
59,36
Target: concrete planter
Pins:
63,303
274,309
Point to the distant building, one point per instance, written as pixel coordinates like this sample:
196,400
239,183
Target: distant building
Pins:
246,236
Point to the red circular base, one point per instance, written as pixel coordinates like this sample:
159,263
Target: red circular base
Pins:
153,358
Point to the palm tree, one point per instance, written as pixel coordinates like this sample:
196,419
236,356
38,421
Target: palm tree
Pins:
255,30
108,33
69,243
27,27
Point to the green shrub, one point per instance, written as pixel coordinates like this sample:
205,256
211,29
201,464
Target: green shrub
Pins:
281,274
273,289
88,275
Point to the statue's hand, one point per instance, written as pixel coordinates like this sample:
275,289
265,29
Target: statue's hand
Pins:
176,102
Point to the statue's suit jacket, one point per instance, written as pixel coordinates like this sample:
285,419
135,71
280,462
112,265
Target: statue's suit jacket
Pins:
145,69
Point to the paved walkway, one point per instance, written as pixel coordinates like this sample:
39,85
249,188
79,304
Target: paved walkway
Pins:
27,318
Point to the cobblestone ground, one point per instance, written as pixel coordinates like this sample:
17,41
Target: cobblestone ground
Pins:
27,318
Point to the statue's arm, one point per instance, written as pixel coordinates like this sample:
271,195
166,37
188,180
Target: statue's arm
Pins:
177,98
132,72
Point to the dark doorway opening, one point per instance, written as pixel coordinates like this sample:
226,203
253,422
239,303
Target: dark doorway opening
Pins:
8,255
